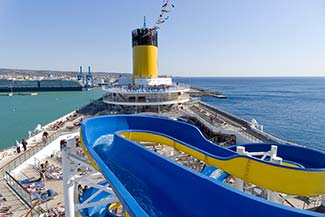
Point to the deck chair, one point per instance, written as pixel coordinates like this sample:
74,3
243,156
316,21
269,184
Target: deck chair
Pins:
50,193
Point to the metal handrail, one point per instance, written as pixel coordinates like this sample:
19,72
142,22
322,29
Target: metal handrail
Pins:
258,132
23,194
14,163
19,189
137,89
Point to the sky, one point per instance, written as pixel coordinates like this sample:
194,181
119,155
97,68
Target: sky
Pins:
201,38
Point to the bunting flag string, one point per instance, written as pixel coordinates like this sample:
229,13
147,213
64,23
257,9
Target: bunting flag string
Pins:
166,8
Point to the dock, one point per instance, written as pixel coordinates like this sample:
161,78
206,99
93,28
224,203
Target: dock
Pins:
199,92
19,94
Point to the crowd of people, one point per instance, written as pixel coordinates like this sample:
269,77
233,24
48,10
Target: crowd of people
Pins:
142,88
57,125
48,171
81,190
23,144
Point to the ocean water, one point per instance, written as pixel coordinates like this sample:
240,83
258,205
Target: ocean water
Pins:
289,108
18,114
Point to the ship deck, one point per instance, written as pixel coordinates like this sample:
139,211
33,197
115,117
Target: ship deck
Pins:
213,119
28,159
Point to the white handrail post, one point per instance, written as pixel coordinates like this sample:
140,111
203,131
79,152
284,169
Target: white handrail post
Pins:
68,185
274,151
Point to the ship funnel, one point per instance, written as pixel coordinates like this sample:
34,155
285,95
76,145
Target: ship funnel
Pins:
145,53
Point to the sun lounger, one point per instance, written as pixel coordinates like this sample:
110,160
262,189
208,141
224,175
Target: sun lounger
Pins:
29,180
37,185
53,168
43,196
54,175
36,194
48,195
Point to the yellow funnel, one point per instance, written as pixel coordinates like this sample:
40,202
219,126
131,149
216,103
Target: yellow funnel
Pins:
145,53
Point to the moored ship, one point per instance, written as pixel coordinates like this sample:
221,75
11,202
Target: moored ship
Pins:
39,85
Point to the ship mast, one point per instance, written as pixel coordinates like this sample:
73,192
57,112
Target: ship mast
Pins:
144,22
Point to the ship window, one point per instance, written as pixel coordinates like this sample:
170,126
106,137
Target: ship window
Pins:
141,99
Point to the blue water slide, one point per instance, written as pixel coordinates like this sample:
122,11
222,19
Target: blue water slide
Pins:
149,184
96,211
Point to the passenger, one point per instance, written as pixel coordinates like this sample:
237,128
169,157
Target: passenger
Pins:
63,143
42,172
18,146
30,190
80,153
24,143
80,191
45,136
60,210
47,164
119,211
77,142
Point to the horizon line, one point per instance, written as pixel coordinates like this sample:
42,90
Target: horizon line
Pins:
180,76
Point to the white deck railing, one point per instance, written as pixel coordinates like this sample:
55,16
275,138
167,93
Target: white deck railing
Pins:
147,89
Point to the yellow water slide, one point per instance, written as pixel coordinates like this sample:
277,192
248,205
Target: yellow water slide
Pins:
294,181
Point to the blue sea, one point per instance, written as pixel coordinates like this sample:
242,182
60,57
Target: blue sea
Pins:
19,114
290,108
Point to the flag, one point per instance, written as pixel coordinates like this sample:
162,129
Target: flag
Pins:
165,11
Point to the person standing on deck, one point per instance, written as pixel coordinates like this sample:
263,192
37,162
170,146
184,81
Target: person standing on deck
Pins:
23,141
18,146
42,172
44,136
